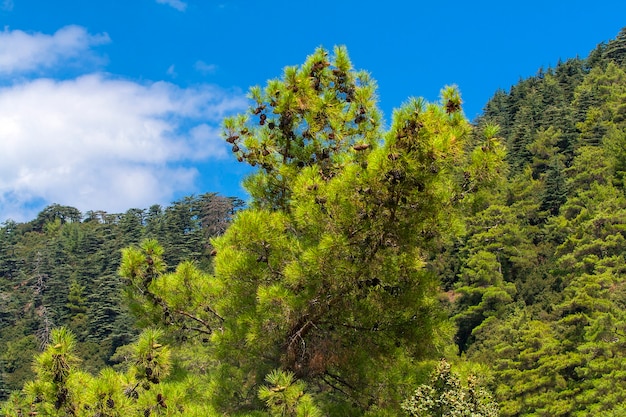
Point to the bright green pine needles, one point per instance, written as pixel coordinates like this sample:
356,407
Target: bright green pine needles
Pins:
328,279
327,274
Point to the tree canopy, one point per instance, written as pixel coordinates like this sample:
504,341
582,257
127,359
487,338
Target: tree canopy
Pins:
369,251
329,274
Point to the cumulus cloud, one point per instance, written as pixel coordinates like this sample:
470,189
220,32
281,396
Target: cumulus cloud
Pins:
177,4
101,143
24,52
98,142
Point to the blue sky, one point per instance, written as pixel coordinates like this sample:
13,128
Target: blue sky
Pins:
117,104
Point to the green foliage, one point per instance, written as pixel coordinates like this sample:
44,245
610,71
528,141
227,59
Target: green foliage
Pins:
285,397
152,359
324,297
75,299
555,345
17,353
61,389
312,117
181,299
445,396
53,369
327,276
498,253
60,270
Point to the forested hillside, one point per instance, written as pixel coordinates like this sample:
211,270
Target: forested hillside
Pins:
541,286
60,269
366,256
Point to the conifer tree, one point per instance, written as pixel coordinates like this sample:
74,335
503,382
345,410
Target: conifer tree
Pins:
285,396
445,396
327,275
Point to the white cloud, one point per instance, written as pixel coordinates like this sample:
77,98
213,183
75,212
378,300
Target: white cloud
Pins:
177,4
24,52
97,142
205,68
101,143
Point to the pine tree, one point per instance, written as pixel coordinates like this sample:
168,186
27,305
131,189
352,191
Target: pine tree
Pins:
327,275
285,396
615,50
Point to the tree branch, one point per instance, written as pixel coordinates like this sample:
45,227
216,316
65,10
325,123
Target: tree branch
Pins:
198,319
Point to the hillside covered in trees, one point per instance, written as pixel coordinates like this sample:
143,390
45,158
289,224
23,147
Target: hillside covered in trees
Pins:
366,255
60,269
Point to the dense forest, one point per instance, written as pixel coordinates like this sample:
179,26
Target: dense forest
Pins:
60,269
425,267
